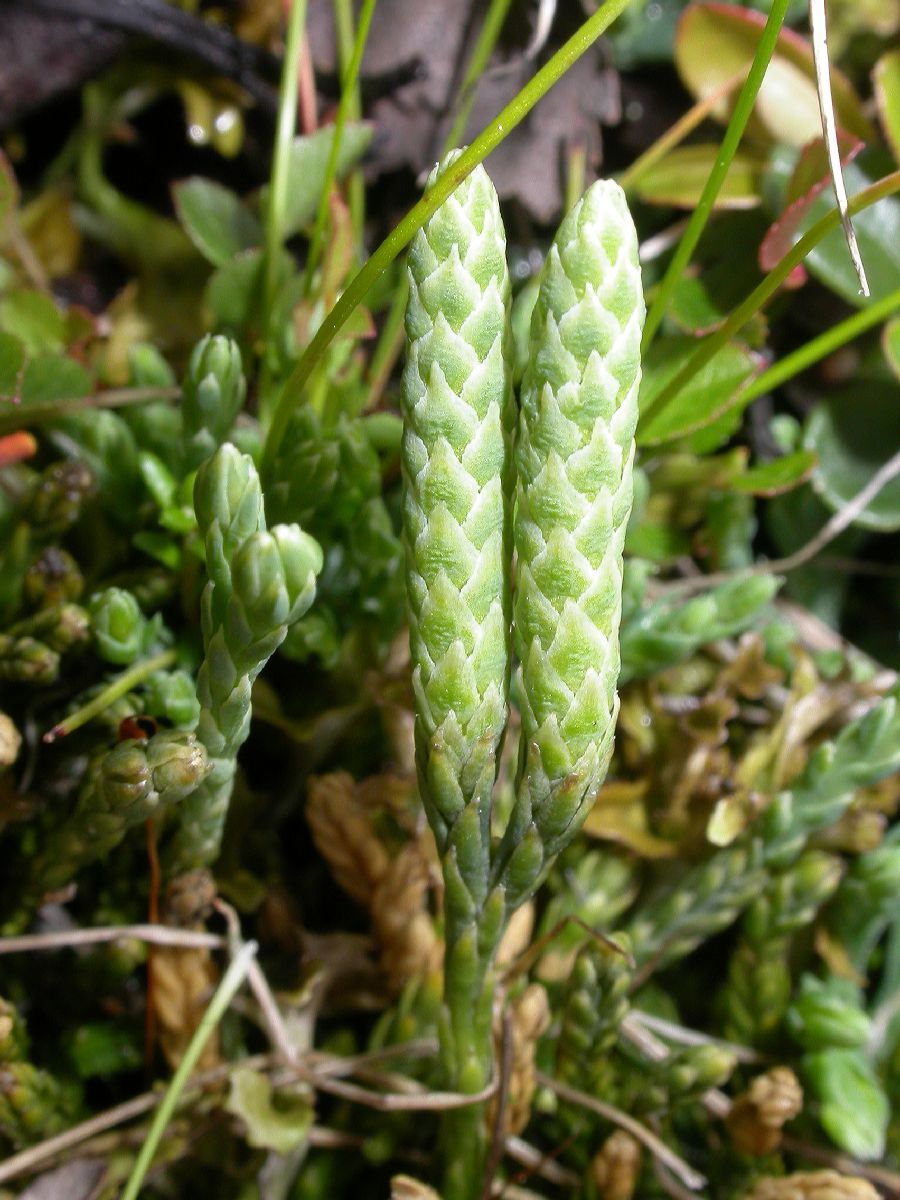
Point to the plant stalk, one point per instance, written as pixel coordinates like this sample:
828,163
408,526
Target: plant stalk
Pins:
231,981
281,158
481,52
346,39
819,347
730,142
764,292
348,104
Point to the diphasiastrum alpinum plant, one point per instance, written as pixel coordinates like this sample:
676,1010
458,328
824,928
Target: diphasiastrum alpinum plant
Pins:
561,475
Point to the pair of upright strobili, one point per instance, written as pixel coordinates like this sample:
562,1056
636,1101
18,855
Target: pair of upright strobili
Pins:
551,478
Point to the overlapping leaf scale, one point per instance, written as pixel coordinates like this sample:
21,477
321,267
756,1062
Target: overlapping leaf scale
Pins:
574,459
457,407
260,582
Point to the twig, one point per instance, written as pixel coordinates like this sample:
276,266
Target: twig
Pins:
714,1101
829,531
323,1078
689,1177
421,1100
819,31
259,985
157,935
669,1185
319,1070
337,1065
889,1181
539,1163
686,1037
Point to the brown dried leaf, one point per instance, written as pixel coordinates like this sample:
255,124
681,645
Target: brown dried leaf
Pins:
529,1018
402,923
619,815
342,830
615,1167
748,674
183,981
707,723
403,1187
757,1117
527,166
812,1185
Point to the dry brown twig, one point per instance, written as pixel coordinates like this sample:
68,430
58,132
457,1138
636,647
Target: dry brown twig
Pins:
538,1163
829,531
157,935
714,1101
637,1020
686,1174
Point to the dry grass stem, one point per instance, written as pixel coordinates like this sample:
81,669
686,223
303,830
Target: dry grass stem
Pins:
156,935
689,1177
